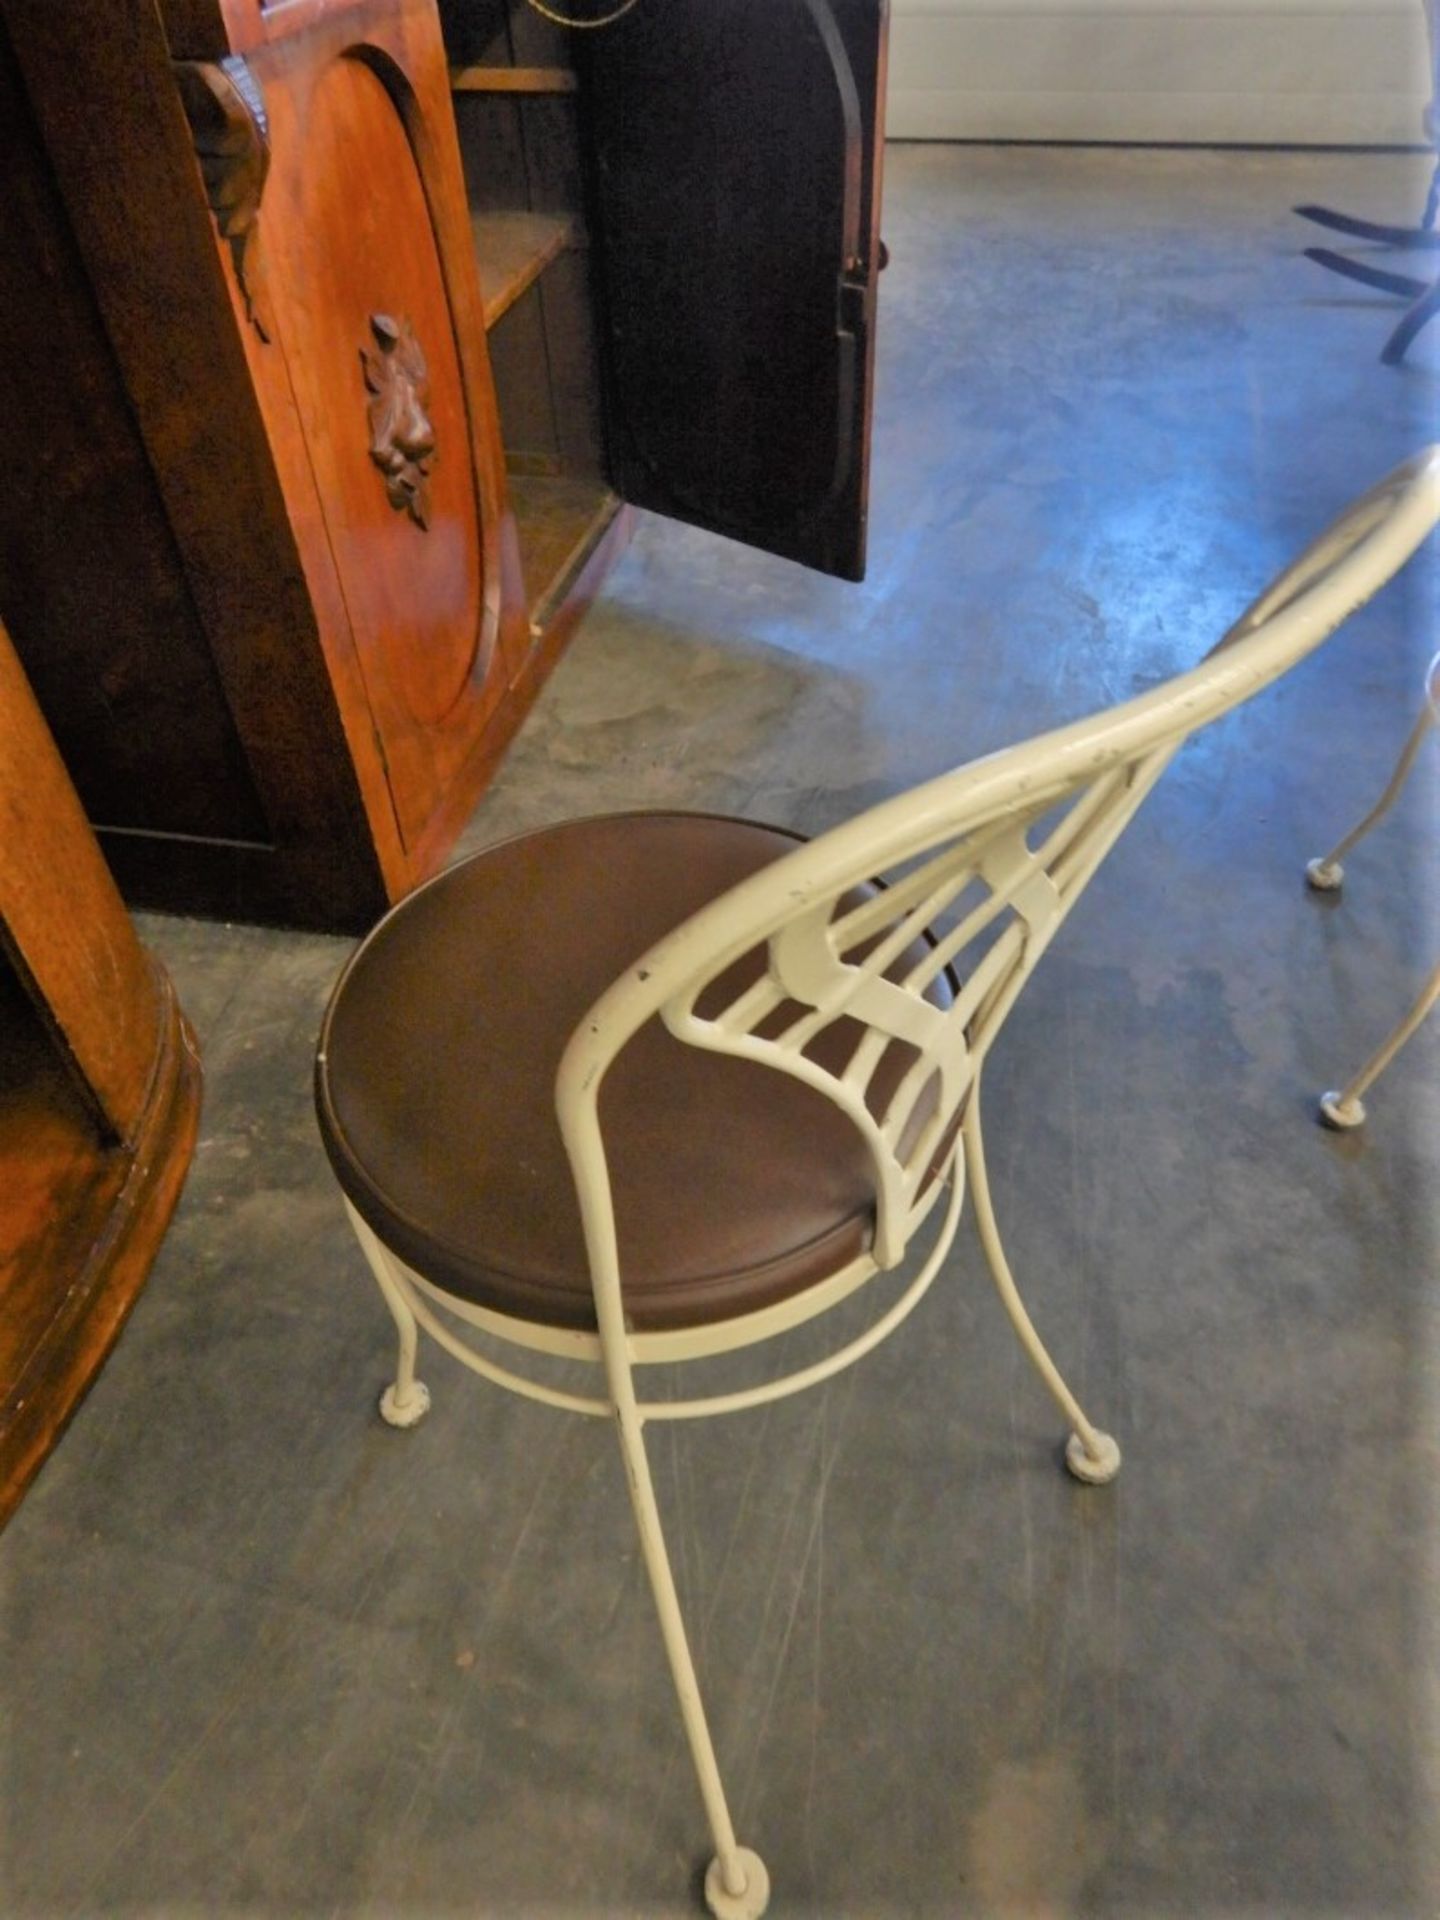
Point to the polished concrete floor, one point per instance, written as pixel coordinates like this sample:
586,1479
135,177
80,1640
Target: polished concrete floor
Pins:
263,1657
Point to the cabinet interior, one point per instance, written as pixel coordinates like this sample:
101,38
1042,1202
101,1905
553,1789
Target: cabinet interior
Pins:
515,92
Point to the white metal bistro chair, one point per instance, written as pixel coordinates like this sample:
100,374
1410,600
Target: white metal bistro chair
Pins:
1344,1107
657,1087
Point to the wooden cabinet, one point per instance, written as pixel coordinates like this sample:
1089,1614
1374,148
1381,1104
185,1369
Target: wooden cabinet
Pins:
99,1096
268,448
343,424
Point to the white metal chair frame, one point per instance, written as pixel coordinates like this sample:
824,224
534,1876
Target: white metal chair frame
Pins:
1343,1107
969,876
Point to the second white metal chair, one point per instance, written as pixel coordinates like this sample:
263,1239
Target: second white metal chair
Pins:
659,1087
1344,1107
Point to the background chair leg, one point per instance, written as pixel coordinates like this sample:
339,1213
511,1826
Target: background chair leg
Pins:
1325,874
406,1401
1345,1109
1090,1455
737,1886
1409,324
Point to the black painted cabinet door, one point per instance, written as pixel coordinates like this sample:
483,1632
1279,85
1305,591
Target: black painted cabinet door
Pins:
736,188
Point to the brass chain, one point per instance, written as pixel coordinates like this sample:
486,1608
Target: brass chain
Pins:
564,20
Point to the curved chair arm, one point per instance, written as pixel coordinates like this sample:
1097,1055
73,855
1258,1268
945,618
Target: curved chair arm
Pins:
1376,528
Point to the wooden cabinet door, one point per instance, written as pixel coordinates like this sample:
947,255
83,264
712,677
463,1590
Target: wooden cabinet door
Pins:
360,286
736,151
351,246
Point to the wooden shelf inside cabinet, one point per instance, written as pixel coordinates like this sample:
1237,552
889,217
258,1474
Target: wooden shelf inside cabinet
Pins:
512,80
560,519
513,250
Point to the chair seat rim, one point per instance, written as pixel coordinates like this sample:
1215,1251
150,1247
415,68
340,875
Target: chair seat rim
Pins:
665,1345
547,1293
682,1345
580,1296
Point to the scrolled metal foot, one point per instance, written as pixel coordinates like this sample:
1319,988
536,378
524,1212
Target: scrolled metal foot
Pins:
408,1412
753,1897
1325,876
1420,315
1341,1114
1094,1468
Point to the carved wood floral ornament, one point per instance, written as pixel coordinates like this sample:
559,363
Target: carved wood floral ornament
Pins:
402,440
228,124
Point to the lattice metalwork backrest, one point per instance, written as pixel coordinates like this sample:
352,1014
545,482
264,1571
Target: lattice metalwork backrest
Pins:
885,997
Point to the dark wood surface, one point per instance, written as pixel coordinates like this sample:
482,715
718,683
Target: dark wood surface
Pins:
92,534
99,1096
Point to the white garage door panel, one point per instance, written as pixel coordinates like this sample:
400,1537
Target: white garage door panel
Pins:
1316,71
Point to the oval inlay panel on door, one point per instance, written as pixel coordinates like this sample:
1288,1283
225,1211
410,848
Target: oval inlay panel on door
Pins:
402,509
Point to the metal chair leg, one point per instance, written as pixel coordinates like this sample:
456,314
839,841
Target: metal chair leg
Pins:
1344,1109
1409,324
406,1401
1325,874
1090,1455
1419,239
1383,279
737,1885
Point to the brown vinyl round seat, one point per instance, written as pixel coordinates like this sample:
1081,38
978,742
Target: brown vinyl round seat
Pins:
735,1186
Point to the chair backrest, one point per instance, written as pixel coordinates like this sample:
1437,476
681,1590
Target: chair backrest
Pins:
977,870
